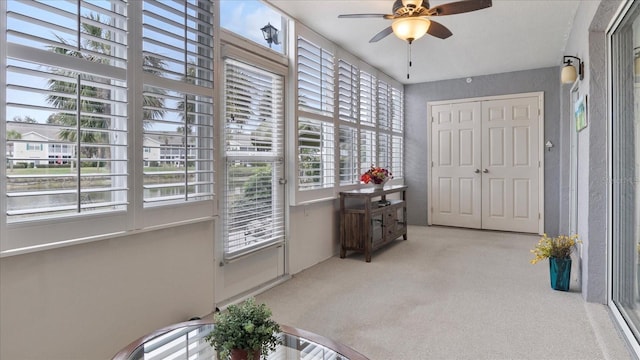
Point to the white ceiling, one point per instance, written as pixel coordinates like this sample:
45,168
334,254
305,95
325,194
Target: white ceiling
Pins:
511,35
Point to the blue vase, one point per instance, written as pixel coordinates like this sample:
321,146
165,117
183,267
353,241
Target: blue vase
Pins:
560,273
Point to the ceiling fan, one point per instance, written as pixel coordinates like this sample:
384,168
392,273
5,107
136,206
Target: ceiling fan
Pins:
411,18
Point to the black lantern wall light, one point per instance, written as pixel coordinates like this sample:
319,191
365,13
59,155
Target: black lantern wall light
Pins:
270,34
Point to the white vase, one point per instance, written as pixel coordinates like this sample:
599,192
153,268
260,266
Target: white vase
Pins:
379,186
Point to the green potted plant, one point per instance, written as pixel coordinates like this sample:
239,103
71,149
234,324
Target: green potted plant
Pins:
244,331
558,250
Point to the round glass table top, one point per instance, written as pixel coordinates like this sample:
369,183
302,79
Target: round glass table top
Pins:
187,341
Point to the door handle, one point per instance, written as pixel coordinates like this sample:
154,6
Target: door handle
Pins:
485,171
477,171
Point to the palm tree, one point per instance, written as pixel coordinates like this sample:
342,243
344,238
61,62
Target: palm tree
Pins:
94,107
187,109
25,119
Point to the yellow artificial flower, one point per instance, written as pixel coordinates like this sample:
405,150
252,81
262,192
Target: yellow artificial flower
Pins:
559,247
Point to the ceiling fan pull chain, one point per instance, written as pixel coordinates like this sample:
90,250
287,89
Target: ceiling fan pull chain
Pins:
408,58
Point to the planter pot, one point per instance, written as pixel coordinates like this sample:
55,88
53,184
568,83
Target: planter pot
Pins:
240,354
560,273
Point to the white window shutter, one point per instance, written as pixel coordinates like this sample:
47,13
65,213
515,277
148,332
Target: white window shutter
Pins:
177,40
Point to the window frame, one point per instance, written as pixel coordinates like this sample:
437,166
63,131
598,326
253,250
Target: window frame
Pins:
341,55
234,54
53,232
622,256
3,142
299,196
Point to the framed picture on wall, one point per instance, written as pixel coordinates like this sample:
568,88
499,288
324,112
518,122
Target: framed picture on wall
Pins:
580,113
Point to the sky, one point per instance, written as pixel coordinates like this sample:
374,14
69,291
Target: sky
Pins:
248,17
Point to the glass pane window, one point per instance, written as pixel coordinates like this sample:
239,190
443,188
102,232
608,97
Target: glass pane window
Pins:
66,108
315,79
368,99
78,97
384,150
625,45
255,21
397,156
254,111
396,110
91,30
384,105
368,149
179,136
254,206
177,111
315,154
254,152
177,41
349,166
348,106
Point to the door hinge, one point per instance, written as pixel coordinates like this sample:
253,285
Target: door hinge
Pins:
539,164
432,164
539,216
431,209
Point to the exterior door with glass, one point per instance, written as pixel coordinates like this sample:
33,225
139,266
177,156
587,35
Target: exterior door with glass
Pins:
253,232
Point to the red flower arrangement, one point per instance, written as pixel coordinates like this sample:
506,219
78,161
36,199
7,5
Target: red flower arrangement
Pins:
377,175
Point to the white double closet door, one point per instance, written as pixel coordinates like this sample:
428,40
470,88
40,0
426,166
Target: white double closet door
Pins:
486,163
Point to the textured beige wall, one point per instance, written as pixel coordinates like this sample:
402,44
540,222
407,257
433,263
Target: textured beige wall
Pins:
88,301
313,234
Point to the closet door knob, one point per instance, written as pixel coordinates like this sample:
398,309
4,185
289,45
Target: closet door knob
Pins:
477,171
485,171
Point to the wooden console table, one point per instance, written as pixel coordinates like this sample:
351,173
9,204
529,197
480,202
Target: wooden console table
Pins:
367,223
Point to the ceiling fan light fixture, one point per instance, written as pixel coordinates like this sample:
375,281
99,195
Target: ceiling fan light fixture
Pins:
413,3
410,28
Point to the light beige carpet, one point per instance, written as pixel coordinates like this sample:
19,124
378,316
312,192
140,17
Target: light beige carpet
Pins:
447,293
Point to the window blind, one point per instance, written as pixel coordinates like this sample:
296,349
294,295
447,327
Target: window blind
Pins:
349,166
384,105
177,41
397,128
348,106
396,110
316,108
254,151
315,78
66,92
315,154
397,156
368,103
384,150
367,149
